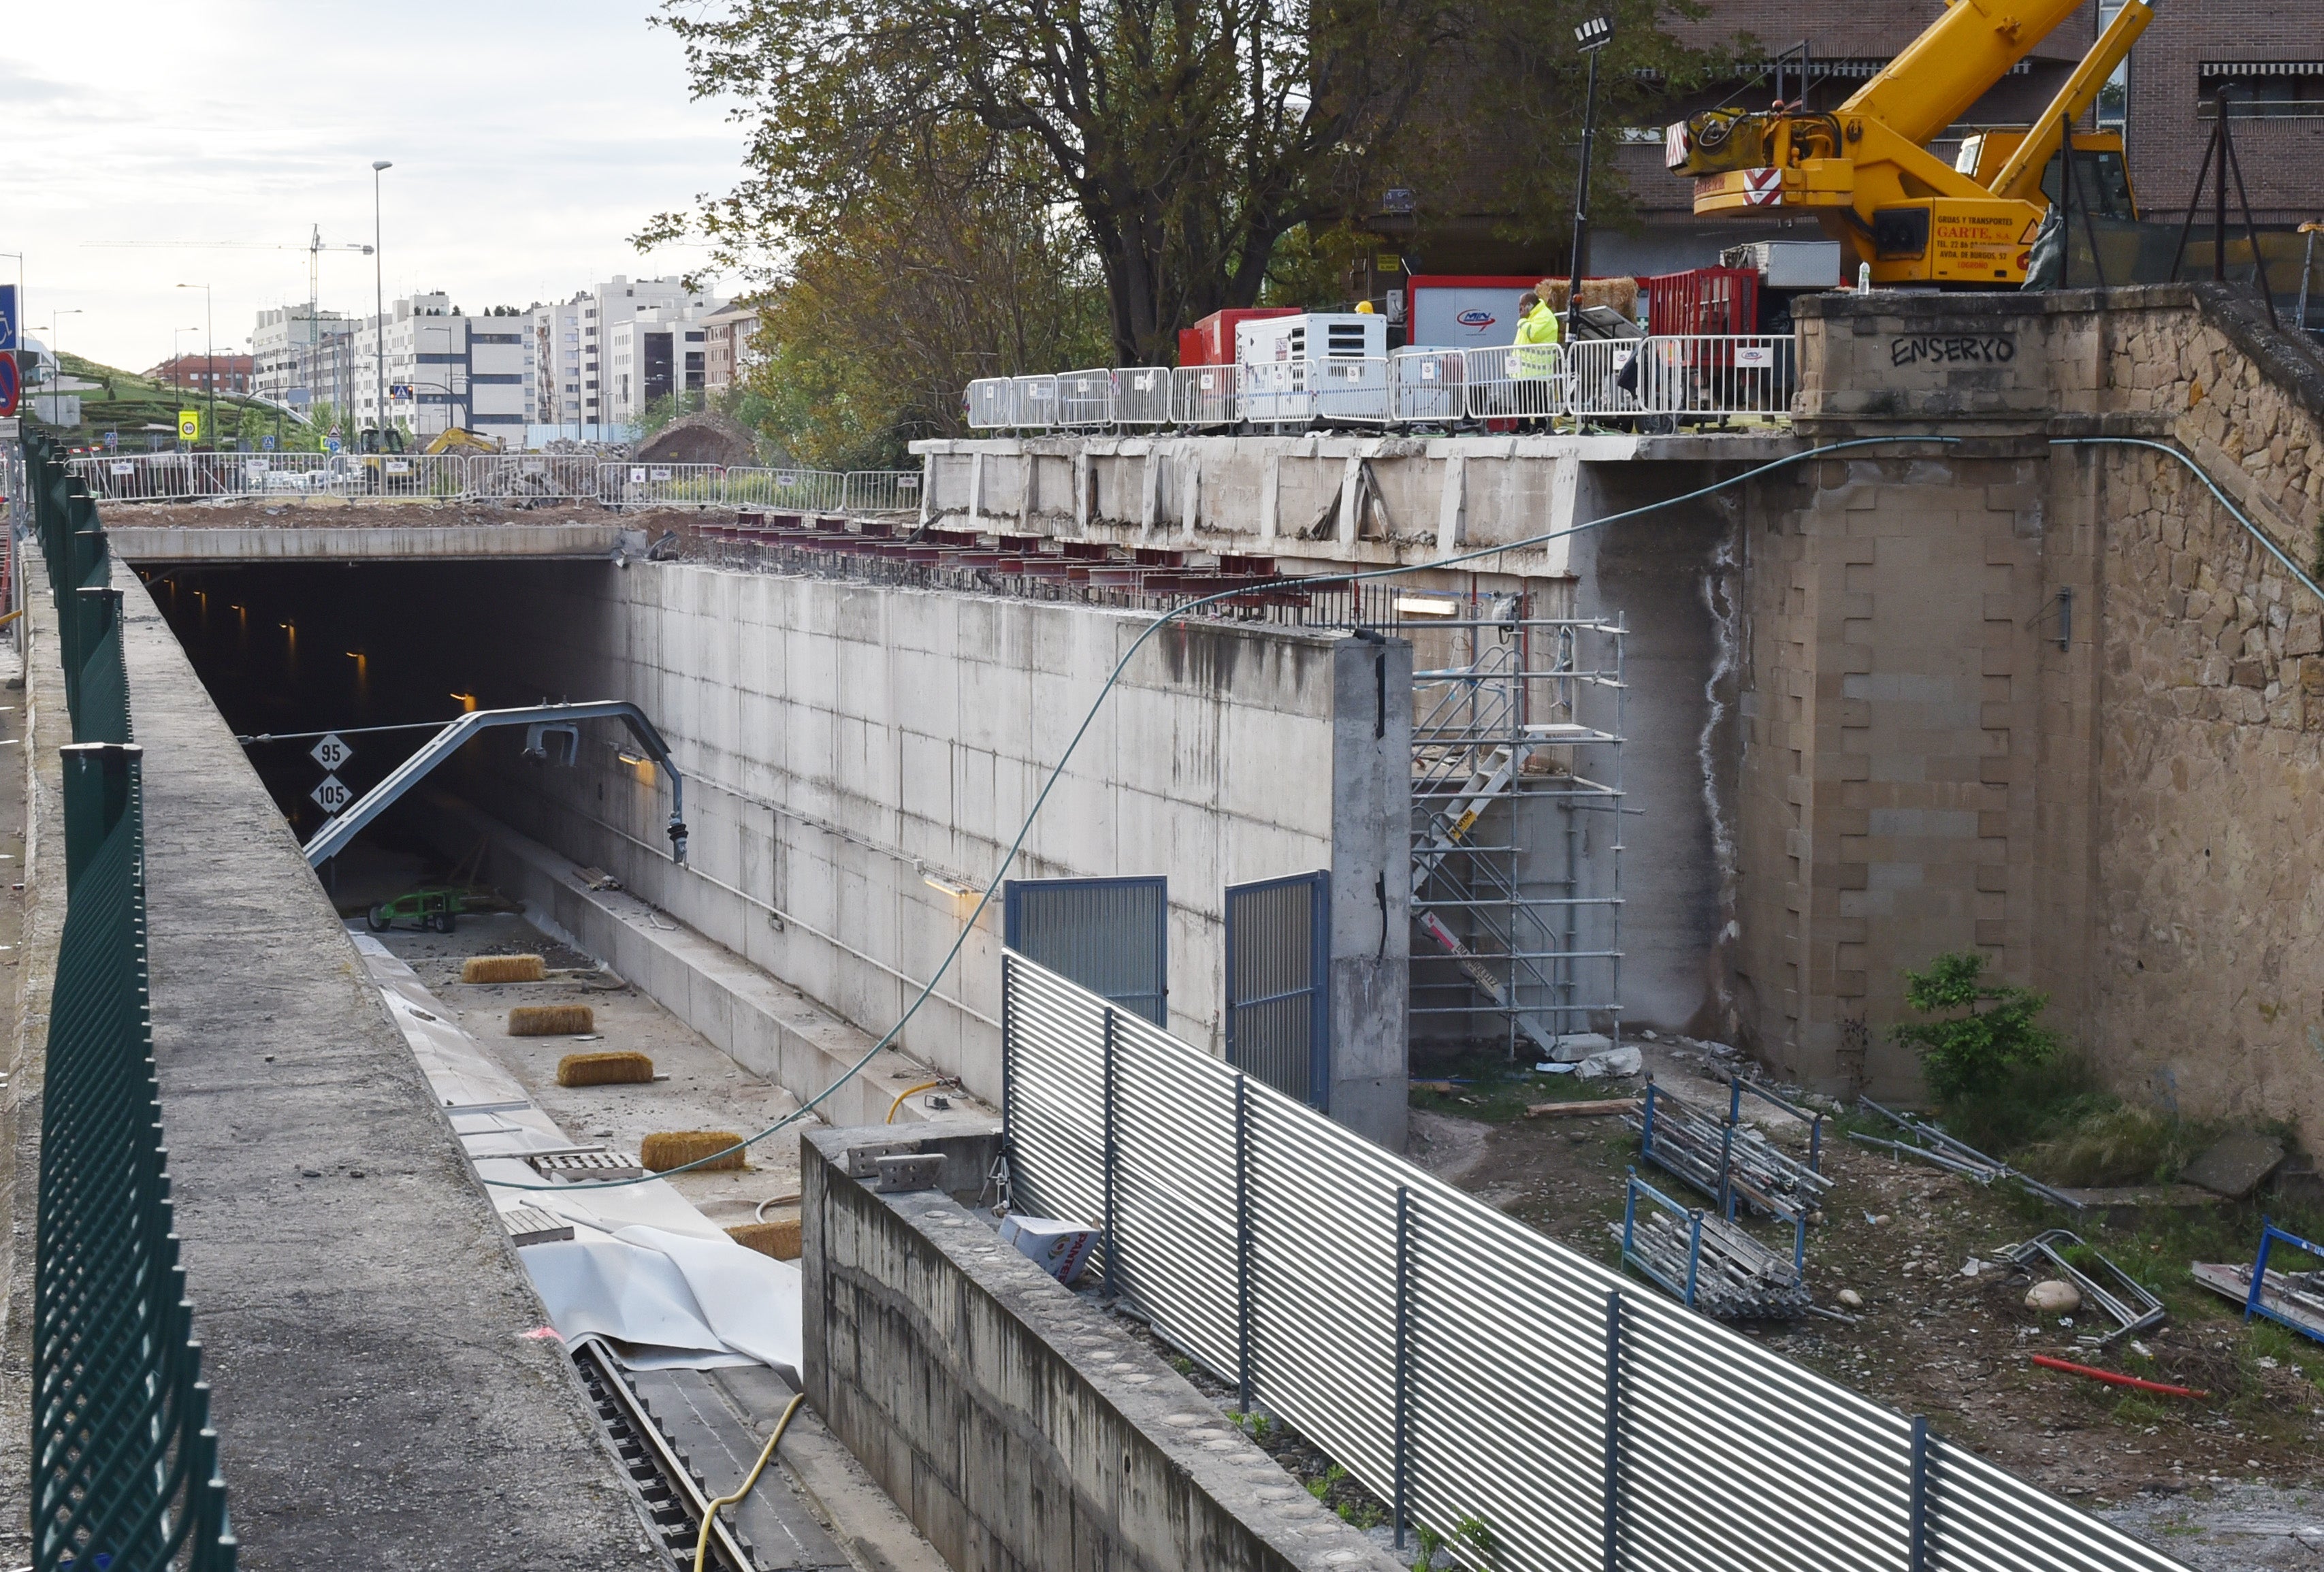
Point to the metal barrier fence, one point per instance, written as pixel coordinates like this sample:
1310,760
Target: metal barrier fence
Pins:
1663,380
1464,1367
533,477
498,477
124,1463
806,491
881,491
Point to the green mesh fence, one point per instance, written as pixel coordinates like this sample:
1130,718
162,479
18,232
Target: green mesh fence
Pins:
124,1464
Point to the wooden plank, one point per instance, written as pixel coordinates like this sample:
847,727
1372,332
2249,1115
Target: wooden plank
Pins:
1582,1110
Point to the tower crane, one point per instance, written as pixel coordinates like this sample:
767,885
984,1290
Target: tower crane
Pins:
1866,172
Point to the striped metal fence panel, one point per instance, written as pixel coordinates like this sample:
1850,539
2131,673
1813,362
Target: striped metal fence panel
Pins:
124,1470
1464,1367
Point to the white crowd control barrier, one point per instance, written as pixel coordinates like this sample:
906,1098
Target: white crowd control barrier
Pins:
1603,376
1205,395
1351,392
881,491
1428,387
533,477
1522,381
797,490
1085,398
638,485
1725,376
1141,396
989,407
1032,402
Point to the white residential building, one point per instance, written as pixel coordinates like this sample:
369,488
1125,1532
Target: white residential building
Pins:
651,356
444,369
618,303
297,357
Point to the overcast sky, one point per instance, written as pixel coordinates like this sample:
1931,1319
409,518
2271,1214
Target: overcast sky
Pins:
529,138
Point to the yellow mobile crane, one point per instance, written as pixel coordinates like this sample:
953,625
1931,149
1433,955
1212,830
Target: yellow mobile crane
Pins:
1866,172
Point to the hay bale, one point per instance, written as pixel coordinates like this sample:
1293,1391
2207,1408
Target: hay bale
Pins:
668,1149
778,1239
502,969
1621,293
551,1020
603,1069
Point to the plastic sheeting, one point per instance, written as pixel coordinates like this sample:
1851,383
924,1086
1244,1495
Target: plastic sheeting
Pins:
662,1283
666,1299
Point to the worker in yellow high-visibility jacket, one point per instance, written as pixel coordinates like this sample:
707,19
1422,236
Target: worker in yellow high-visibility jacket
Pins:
1535,354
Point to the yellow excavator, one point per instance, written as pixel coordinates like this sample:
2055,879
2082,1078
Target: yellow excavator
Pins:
460,439
1865,170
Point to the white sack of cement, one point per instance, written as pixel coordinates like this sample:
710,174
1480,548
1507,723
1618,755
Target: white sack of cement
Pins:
669,1299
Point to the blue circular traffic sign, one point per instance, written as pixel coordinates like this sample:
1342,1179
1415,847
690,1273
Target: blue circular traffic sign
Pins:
10,386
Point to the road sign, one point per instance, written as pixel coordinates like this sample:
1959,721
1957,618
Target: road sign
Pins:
9,386
266,443
189,425
332,796
332,445
112,442
332,752
8,318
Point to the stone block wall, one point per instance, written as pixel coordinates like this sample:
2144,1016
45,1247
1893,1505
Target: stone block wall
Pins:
2040,695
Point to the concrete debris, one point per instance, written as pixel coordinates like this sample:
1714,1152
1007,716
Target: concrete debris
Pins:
2054,1297
1574,1046
1851,1297
1972,1267
1624,1060
2235,1163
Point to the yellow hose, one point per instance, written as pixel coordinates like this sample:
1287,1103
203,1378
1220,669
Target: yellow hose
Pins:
702,1539
907,1091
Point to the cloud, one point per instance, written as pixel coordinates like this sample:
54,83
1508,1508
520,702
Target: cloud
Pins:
530,138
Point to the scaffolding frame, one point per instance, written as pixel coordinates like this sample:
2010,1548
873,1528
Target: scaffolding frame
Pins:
1528,710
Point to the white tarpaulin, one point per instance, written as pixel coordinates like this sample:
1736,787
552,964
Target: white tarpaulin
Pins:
668,1299
646,1271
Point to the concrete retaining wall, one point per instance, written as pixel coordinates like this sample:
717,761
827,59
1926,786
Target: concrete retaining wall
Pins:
858,754
1019,1427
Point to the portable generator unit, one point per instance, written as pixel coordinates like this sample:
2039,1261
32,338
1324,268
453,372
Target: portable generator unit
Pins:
1318,366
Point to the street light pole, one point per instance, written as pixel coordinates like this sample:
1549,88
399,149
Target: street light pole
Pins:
209,358
379,311
1592,35
56,347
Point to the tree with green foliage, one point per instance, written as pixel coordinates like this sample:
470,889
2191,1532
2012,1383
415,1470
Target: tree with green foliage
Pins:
1184,139
1982,1032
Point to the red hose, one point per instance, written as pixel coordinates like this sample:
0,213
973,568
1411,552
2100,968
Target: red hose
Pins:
2111,1379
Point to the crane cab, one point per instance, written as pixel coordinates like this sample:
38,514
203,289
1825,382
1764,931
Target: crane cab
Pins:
2102,177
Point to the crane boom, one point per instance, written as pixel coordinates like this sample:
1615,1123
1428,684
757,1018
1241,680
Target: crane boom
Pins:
2021,176
1866,169
1954,62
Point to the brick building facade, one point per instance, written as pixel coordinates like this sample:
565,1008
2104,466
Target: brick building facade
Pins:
2275,51
193,373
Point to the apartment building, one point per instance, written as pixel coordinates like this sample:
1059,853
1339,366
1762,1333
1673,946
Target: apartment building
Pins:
651,356
442,369
727,342
298,356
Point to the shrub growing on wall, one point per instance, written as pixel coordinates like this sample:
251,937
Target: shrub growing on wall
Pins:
1978,1033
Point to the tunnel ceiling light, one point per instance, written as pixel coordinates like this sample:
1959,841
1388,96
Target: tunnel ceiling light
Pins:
627,757
1426,606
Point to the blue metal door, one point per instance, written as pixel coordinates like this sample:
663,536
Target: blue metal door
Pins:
1278,1014
1111,936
